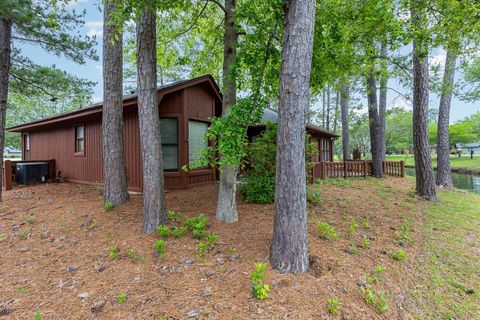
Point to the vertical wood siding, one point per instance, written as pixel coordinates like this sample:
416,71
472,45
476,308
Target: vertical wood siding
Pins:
58,142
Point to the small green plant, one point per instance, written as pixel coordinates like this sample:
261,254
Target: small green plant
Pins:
24,233
333,306
365,242
353,249
402,234
31,219
378,300
368,295
37,316
160,247
365,223
327,232
93,223
211,240
379,269
3,237
314,196
178,232
113,253
108,205
398,255
122,298
202,248
197,225
22,290
131,254
232,250
352,228
260,290
81,189
162,231
174,216
381,303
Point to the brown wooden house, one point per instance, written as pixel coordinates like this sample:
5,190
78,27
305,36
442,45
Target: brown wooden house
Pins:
74,139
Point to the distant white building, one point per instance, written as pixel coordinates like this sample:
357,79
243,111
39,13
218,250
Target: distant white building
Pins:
467,148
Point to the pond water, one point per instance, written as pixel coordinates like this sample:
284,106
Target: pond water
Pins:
463,181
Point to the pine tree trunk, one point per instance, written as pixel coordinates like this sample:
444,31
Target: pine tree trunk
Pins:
328,108
114,172
226,205
382,110
154,212
289,251
425,179
5,50
335,116
323,109
444,177
375,135
344,94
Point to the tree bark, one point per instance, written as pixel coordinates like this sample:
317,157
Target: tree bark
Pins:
335,115
344,96
444,177
323,108
382,110
375,135
154,212
425,180
5,51
289,251
328,108
114,172
226,205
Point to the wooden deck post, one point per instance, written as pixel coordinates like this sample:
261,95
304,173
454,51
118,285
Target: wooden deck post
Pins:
402,168
364,168
345,169
7,175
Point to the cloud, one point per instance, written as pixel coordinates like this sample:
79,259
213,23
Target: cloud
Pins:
94,28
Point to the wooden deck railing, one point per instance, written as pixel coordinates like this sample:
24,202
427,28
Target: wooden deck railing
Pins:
355,168
10,171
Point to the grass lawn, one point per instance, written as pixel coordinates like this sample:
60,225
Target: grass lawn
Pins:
448,282
463,162
376,252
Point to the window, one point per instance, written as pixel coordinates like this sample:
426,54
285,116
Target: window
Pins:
169,136
27,146
196,139
79,139
325,149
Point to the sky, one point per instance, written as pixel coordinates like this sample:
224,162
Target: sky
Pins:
92,70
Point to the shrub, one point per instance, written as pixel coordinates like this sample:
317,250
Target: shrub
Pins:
353,249
327,232
162,231
260,290
365,242
81,189
31,219
259,185
398,255
160,247
402,234
197,225
365,223
333,306
211,240
381,304
178,232
37,316
113,253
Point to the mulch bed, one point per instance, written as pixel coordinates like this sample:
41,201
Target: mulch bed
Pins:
58,264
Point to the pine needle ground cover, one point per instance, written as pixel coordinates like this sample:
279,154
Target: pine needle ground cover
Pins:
64,256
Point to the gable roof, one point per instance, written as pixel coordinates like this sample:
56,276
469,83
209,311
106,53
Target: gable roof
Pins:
96,108
272,115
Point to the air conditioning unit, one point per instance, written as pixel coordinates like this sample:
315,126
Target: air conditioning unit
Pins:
32,172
